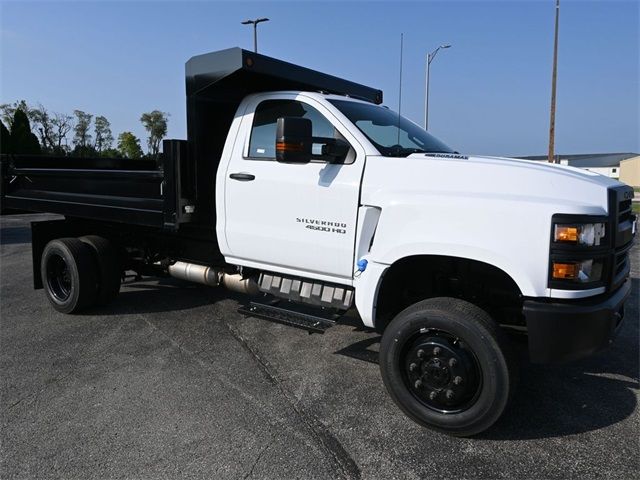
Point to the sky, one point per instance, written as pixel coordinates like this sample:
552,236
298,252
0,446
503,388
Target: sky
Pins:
489,93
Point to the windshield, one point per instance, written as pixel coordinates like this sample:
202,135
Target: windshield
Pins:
392,138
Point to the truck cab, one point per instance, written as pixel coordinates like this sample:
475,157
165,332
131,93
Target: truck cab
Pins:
398,195
400,217
301,190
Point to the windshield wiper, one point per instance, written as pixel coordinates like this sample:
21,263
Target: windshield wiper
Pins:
405,151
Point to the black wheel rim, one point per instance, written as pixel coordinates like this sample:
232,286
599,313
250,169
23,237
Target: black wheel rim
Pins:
441,371
58,278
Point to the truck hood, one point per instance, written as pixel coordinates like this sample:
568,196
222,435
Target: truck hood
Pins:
569,189
550,168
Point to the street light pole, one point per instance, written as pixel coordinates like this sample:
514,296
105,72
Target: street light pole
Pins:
255,30
430,58
552,120
426,95
255,37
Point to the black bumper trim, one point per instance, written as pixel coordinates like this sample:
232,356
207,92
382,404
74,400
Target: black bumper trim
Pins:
561,331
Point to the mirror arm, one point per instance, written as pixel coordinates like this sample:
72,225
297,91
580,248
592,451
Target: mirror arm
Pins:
329,147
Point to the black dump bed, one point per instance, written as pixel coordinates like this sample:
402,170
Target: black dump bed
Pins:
179,193
102,188
135,192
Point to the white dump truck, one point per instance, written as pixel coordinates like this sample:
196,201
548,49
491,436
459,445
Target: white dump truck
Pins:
299,189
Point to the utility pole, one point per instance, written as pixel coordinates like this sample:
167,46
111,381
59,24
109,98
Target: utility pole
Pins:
255,30
552,121
430,58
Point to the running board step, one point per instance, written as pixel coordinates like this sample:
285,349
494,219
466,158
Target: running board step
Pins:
307,291
305,321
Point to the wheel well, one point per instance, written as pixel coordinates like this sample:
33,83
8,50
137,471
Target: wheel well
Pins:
419,277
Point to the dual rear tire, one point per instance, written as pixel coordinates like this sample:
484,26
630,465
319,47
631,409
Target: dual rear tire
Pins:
78,273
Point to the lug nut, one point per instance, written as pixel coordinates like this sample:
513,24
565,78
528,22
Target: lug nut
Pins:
433,395
453,362
457,380
449,394
418,384
437,350
420,353
412,367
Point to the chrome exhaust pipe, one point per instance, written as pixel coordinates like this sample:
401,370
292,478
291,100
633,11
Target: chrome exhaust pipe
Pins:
240,284
192,272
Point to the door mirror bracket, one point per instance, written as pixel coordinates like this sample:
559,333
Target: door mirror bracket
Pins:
334,148
293,140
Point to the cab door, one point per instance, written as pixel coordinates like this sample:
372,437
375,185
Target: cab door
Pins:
292,218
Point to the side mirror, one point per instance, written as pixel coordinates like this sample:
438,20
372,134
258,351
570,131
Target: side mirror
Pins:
293,140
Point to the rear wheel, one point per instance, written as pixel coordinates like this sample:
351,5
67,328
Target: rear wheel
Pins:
68,275
448,366
109,267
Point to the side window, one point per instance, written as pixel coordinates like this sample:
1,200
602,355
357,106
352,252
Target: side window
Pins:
263,132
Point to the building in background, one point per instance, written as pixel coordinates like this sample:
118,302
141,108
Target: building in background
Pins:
630,171
607,164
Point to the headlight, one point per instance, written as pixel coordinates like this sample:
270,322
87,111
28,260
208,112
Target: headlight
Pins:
582,271
586,234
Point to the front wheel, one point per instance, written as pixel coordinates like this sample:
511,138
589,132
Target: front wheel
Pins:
448,366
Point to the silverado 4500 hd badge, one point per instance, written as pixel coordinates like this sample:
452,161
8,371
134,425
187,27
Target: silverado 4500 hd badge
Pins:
323,225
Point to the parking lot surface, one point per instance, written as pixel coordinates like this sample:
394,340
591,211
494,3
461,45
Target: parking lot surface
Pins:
170,381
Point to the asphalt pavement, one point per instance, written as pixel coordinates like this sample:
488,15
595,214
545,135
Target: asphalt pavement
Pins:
170,381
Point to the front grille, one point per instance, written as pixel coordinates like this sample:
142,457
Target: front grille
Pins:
621,225
621,260
624,211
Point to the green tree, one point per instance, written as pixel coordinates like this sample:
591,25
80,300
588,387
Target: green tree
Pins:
5,139
62,125
129,145
82,137
155,123
43,124
86,151
104,137
110,153
22,139
8,110
51,127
